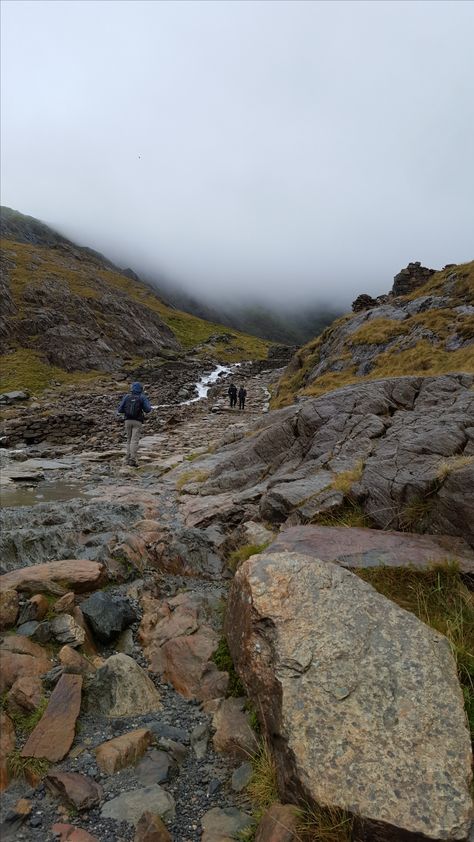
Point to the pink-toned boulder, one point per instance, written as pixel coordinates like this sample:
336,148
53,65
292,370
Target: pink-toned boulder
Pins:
75,663
8,608
19,658
123,751
25,694
53,736
7,744
55,576
70,833
81,791
279,824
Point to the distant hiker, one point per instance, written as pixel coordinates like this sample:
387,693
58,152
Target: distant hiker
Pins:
133,406
242,396
232,392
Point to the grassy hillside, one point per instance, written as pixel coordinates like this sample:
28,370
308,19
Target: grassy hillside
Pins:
434,340
68,317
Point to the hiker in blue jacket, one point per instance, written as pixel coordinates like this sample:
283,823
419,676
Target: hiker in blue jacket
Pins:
133,406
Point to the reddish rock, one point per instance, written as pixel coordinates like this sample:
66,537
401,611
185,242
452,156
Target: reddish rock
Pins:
69,833
185,661
279,824
20,657
53,736
8,608
65,604
7,744
25,694
151,828
75,574
35,609
123,751
73,662
88,646
79,790
233,732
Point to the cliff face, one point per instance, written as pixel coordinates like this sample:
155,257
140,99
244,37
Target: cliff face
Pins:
69,309
429,329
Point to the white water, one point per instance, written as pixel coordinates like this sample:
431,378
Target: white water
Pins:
203,385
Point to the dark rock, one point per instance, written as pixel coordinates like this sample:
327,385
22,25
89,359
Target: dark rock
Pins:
107,615
413,276
363,302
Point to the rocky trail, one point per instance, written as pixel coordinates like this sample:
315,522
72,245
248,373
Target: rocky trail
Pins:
116,583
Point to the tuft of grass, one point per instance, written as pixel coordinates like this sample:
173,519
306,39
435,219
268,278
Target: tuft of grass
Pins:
453,463
344,481
415,515
25,723
223,661
23,767
191,476
263,786
350,514
236,557
378,331
439,598
324,824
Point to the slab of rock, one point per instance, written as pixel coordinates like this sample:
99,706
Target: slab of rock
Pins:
151,828
241,777
107,615
233,732
360,699
155,768
66,630
357,547
79,790
56,577
25,694
279,824
20,658
123,751
71,833
122,688
130,806
8,608
7,744
223,824
73,662
53,736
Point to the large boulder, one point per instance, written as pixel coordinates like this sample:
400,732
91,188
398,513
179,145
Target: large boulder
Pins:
56,577
360,699
122,688
107,615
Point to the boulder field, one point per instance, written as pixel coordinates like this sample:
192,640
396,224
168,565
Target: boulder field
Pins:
170,627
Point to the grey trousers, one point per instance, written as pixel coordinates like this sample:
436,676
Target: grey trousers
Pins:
133,430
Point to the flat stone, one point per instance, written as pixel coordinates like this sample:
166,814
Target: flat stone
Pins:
79,790
233,732
122,688
66,630
360,700
161,729
357,547
223,824
53,736
71,833
279,824
54,576
7,744
241,777
130,806
8,608
151,828
155,768
123,751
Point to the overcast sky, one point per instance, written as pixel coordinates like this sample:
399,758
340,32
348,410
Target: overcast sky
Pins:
280,149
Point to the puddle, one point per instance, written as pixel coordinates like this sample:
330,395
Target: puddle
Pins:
22,494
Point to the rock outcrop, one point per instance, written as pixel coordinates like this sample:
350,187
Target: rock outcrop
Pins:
359,698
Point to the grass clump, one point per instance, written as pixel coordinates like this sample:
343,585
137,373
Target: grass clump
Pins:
27,722
453,463
26,767
191,476
378,331
344,481
223,661
324,824
350,515
236,557
415,515
439,598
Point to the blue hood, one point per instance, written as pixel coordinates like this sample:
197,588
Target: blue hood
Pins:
137,388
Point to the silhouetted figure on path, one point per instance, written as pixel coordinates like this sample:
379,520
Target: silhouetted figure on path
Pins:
232,392
242,396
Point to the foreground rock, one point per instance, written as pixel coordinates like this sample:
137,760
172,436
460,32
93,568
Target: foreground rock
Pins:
151,828
279,824
55,577
107,615
121,688
131,805
79,791
360,699
355,547
123,751
54,735
224,824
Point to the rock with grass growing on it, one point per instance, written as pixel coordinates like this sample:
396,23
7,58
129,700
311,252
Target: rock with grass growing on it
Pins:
360,700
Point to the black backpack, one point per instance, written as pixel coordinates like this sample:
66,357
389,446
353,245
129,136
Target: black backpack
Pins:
133,408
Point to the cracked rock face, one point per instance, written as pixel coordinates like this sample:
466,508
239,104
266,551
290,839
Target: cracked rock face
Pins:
360,699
